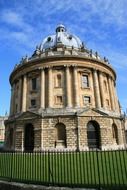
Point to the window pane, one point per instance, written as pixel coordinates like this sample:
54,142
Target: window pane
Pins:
85,82
105,86
58,82
93,135
86,100
59,99
34,84
33,102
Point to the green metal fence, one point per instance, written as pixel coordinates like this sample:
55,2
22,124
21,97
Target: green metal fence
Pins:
93,169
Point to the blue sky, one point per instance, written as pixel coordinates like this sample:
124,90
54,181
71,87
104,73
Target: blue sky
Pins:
101,24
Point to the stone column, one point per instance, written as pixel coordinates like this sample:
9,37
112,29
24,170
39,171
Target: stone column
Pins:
68,88
115,97
96,89
101,89
50,98
11,103
111,93
24,93
42,94
76,94
19,94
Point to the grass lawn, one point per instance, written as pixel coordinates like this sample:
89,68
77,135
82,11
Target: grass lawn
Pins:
105,168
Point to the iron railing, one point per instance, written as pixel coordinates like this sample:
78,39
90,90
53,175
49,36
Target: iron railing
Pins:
93,169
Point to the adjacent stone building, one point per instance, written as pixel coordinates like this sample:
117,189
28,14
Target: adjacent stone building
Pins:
126,129
64,97
2,129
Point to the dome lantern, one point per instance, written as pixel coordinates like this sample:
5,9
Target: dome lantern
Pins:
60,28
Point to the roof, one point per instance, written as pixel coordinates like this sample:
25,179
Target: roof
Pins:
62,37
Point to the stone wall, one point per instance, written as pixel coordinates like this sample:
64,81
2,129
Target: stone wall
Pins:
76,132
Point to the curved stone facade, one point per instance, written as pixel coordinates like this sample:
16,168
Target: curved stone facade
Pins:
64,97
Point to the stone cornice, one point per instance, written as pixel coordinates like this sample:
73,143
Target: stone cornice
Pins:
46,62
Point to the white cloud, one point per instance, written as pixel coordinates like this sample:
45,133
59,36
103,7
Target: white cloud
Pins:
11,17
15,19
86,18
20,36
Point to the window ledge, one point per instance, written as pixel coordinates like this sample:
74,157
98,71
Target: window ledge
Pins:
58,87
32,107
85,88
33,91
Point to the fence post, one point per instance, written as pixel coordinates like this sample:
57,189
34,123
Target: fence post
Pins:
11,165
97,152
48,167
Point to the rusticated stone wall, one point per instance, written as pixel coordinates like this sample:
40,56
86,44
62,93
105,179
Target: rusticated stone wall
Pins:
76,132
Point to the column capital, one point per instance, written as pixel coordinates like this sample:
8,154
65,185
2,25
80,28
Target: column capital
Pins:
95,69
100,72
75,66
49,67
110,77
67,66
41,68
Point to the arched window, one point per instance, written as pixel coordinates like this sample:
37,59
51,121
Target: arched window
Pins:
115,133
60,140
93,134
29,138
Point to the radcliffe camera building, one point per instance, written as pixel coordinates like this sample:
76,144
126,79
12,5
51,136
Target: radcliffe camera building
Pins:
64,97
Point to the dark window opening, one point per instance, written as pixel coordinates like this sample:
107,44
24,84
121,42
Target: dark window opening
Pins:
34,84
33,103
29,138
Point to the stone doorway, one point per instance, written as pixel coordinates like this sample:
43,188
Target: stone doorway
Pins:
93,134
29,138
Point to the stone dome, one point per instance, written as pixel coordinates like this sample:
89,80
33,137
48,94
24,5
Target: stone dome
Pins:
62,37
